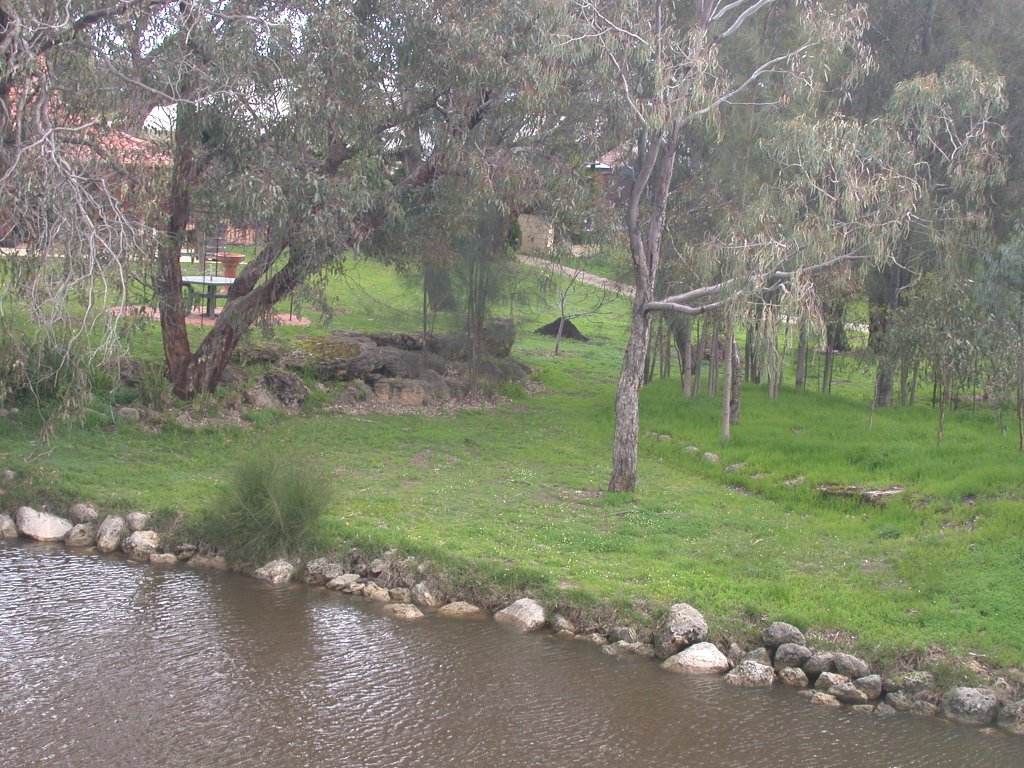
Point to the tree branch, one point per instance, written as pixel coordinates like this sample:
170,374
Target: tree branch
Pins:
742,18
683,302
44,40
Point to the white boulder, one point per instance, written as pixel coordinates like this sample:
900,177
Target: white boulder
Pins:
524,615
276,572
41,526
698,659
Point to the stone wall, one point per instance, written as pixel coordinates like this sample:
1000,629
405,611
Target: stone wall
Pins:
538,236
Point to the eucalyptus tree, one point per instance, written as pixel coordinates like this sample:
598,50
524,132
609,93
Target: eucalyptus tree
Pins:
69,215
320,122
958,219
842,189
954,117
999,291
664,66
383,113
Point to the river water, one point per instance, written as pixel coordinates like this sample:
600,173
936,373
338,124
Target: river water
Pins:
104,662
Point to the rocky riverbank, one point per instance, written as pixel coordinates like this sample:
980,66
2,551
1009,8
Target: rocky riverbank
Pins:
680,643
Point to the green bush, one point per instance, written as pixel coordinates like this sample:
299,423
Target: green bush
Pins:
270,509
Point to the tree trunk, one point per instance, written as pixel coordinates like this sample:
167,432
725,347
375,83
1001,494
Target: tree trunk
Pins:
437,282
826,370
835,340
666,352
731,384
713,364
426,316
684,343
905,380
883,386
749,355
627,400
194,373
656,160
702,345
652,354
184,172
1020,414
884,290
735,386
944,396
801,359
772,365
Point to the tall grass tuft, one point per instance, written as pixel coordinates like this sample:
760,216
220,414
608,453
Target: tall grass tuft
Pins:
270,509
154,388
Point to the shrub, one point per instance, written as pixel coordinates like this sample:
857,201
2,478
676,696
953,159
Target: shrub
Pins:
270,509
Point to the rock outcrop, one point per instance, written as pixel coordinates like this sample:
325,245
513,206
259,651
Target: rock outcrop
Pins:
405,611
136,521
851,666
423,595
791,655
321,570
1011,718
82,513
793,677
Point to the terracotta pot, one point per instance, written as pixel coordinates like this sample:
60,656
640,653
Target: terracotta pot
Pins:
230,262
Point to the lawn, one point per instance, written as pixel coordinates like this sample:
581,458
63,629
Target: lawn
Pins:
509,499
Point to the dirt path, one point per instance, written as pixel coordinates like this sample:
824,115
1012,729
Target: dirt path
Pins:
584,277
197,318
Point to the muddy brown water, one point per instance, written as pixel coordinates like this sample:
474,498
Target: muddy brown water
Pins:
109,663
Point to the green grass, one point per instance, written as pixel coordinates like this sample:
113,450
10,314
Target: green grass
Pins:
510,499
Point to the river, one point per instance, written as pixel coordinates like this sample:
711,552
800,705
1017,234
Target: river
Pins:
104,662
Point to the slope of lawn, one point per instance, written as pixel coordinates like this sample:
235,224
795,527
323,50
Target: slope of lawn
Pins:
508,499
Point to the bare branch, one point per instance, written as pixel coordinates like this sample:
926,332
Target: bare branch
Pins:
742,18
684,302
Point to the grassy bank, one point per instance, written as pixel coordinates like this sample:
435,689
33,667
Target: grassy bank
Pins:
509,499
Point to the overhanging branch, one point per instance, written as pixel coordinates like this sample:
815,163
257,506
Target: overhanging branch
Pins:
686,303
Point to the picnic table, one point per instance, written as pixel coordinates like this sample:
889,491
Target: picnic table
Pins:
207,287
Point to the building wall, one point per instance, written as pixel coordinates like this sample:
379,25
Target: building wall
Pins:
538,236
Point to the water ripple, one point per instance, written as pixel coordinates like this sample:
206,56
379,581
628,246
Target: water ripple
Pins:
105,662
